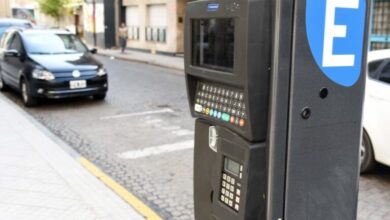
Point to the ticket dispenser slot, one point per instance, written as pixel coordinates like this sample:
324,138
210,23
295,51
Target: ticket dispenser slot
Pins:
232,184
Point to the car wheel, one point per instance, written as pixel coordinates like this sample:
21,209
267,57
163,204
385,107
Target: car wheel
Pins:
28,100
3,86
367,159
99,97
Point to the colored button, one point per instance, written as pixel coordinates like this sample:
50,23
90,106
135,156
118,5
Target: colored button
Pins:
225,117
219,115
207,111
232,118
198,108
215,113
211,112
242,122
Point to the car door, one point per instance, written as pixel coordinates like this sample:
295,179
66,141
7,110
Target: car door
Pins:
14,65
4,68
377,109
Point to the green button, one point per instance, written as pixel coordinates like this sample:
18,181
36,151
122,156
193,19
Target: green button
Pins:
225,117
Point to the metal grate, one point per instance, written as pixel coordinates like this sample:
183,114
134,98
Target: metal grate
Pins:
156,34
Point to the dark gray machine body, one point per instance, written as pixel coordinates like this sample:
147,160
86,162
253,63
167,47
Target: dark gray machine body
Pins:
298,152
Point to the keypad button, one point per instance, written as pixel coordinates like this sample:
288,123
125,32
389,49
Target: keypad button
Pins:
228,186
223,184
232,188
238,192
198,108
226,200
241,168
228,179
231,203
237,199
223,191
233,181
231,196
240,175
237,121
242,122
241,96
237,207
222,197
232,118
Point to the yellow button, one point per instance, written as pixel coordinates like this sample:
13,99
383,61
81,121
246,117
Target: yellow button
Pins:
207,111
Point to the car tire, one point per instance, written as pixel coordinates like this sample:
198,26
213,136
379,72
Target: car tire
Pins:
27,99
367,158
99,97
3,86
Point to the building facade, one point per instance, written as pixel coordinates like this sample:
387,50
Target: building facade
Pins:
380,25
155,25
29,10
101,20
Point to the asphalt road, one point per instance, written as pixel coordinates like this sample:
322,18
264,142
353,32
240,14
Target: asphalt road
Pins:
141,135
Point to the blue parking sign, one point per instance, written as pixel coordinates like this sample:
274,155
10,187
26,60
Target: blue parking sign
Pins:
335,31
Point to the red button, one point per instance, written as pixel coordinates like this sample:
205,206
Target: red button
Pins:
232,119
242,123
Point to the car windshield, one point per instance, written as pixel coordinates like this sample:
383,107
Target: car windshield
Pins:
52,43
2,30
5,26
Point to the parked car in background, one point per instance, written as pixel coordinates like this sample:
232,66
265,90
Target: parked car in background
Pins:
6,23
376,121
49,64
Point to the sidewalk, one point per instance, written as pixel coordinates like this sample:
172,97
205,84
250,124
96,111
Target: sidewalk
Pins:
41,179
172,62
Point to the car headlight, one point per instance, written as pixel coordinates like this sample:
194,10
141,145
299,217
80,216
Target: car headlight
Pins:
101,72
43,75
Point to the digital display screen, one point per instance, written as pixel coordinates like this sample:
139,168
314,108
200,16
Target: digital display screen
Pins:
213,43
232,166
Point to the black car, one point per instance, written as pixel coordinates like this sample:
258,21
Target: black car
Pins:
6,23
49,64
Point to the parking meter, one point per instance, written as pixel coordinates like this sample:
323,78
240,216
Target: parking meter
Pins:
277,89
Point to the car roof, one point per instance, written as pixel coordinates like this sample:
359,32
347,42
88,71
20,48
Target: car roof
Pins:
13,21
44,31
378,55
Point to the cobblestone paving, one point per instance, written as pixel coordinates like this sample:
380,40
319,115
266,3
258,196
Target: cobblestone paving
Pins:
164,182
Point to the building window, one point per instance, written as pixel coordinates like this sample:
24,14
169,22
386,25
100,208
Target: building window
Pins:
132,21
380,32
156,30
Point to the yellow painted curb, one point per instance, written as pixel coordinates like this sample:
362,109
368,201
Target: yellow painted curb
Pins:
139,206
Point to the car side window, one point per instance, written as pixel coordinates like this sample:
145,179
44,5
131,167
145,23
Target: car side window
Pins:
385,73
373,68
16,43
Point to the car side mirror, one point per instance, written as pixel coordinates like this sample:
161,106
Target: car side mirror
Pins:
12,53
93,51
